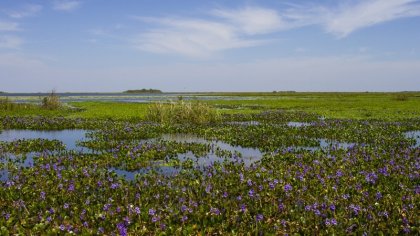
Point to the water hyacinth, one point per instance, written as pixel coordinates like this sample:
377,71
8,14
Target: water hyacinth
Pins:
133,182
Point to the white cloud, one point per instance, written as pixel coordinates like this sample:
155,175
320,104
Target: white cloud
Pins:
64,5
26,11
200,38
9,26
253,20
349,18
238,28
10,42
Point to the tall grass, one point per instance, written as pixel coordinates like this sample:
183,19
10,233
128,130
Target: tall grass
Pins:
182,112
401,97
7,105
51,102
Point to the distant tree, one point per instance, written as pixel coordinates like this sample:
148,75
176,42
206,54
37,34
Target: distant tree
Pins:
143,91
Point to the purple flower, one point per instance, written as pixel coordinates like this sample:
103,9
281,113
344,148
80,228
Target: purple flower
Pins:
155,219
251,193
66,205
106,207
287,187
114,185
281,206
62,227
215,211
137,210
327,222
208,188
260,217
71,187
378,195
152,212
332,207
183,208
122,229
184,218
42,195
243,207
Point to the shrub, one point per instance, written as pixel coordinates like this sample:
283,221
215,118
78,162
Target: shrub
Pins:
182,112
401,97
51,101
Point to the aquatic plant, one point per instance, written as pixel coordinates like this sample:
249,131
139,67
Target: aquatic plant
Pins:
51,102
300,184
182,112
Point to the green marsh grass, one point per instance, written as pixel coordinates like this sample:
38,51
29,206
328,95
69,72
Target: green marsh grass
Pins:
51,102
182,112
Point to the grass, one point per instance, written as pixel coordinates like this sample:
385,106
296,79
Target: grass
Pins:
182,112
51,102
388,106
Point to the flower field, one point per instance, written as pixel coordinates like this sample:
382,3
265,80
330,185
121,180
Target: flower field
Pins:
270,173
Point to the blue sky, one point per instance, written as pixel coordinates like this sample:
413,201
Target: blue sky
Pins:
190,45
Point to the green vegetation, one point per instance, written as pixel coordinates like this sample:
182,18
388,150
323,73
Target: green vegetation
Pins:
361,106
322,177
140,91
6,105
51,102
182,112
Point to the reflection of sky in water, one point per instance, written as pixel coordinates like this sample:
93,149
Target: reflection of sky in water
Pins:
414,135
21,98
68,137
248,155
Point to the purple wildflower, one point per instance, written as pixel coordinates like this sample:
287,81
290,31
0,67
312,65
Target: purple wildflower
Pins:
122,229
288,188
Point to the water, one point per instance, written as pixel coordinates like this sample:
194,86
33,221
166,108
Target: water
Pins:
326,144
298,124
131,175
414,135
118,97
68,137
244,123
21,160
247,155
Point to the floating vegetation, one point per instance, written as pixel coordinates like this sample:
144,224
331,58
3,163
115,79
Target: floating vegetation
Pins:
271,173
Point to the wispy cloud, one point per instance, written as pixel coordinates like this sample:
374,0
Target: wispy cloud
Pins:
10,42
25,11
349,18
251,26
64,5
200,38
9,26
252,20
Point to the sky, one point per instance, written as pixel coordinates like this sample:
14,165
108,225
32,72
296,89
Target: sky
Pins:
222,45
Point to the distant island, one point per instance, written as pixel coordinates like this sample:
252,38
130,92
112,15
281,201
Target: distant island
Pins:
143,91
